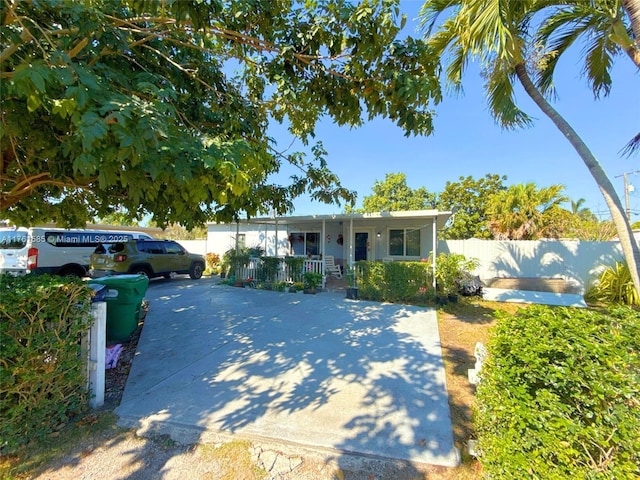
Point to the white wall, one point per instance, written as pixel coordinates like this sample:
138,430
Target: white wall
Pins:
194,246
577,262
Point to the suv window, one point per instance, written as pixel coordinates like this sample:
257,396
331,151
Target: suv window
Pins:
151,247
174,248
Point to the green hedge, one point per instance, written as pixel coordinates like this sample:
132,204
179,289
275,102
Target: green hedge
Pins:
560,395
394,281
42,372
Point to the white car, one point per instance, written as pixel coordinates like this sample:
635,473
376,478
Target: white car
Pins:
55,251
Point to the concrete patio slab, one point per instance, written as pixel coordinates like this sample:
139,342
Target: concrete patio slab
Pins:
534,297
318,371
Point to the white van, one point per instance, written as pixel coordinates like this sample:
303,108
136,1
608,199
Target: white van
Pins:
54,250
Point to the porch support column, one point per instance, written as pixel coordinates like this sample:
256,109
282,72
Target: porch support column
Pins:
266,239
276,246
237,236
322,240
433,249
351,241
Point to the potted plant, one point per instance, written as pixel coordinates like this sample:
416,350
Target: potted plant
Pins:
311,281
352,282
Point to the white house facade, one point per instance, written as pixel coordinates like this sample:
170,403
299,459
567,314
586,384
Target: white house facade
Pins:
384,236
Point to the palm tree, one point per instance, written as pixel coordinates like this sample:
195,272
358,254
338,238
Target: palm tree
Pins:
500,34
602,25
524,212
583,213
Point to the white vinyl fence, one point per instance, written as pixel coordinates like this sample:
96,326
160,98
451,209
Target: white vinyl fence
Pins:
575,261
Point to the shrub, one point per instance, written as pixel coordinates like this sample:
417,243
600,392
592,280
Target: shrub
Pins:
268,269
560,395
294,268
452,270
615,285
312,280
393,281
213,262
42,369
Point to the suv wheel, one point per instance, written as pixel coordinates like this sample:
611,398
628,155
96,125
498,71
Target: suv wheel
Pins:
195,272
140,271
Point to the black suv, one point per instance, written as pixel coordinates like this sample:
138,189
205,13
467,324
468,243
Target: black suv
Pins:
154,258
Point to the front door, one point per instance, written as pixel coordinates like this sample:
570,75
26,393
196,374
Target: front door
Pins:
362,246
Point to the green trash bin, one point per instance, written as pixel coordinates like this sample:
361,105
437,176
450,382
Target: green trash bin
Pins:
124,304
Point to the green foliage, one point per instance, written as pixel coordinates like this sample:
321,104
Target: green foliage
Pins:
268,268
468,198
311,280
350,276
615,285
452,269
525,212
295,266
397,282
130,105
393,194
42,370
233,260
279,286
178,232
560,395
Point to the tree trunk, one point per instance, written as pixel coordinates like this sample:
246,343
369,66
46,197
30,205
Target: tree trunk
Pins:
633,10
628,243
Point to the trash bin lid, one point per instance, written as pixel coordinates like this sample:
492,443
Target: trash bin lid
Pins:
120,279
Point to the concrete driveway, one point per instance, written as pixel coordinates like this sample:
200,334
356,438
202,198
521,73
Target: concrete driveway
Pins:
319,372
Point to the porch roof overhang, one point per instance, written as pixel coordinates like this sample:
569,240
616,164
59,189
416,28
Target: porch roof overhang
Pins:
440,217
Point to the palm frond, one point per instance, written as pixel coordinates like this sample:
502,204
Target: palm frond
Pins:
598,61
499,87
430,12
632,147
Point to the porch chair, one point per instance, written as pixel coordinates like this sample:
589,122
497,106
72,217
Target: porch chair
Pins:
331,268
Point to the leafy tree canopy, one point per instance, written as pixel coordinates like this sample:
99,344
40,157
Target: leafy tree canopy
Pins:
468,198
162,108
393,194
525,212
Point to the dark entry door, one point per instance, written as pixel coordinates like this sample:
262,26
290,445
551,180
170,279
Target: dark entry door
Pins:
362,242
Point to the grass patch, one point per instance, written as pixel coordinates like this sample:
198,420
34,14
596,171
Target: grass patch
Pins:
462,325
234,459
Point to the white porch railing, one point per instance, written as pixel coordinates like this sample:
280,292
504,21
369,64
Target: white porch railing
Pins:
283,274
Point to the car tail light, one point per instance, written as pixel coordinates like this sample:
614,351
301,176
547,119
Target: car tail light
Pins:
32,258
120,258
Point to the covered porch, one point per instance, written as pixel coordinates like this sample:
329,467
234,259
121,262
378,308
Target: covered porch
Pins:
347,238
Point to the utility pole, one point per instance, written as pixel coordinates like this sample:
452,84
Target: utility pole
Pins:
626,191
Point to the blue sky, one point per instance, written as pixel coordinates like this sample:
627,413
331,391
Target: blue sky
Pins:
466,140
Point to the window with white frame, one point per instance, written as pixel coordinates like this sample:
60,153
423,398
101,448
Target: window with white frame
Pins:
305,243
404,242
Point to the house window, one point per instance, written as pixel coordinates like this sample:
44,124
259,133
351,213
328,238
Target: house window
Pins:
242,241
305,243
404,243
